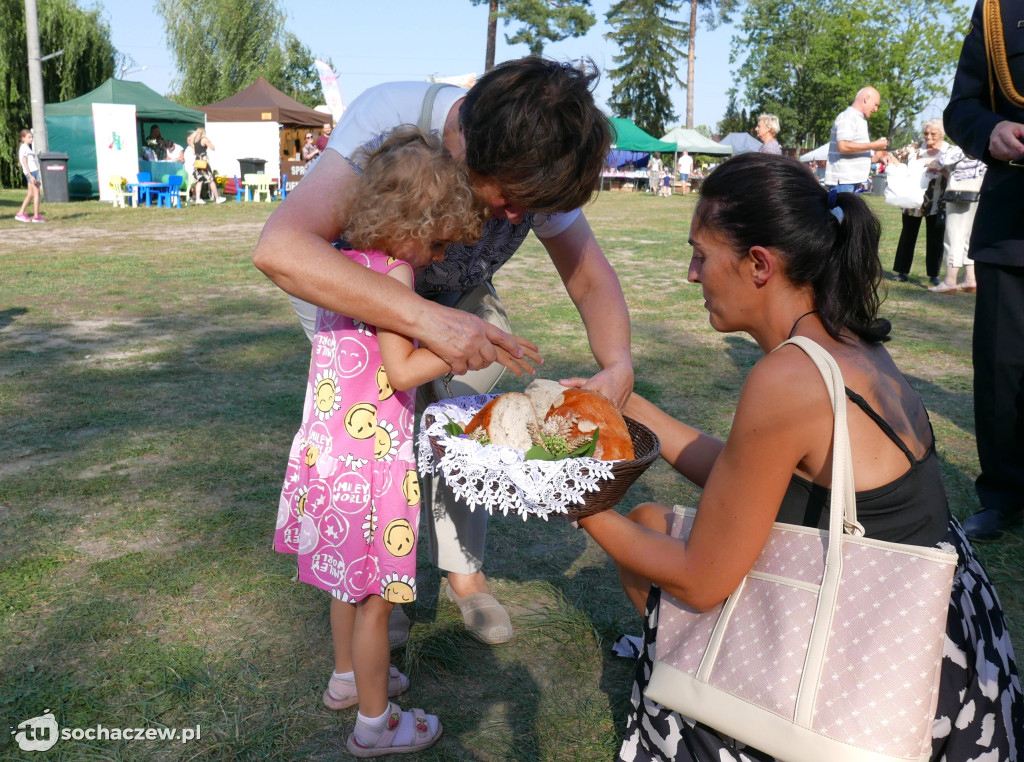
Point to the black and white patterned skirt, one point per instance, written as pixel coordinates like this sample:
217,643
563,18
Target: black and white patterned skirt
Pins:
980,715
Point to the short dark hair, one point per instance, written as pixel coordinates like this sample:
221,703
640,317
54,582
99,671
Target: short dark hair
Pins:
757,199
532,125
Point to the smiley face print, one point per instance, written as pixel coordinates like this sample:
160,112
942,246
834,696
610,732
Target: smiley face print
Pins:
398,588
326,396
399,538
383,385
361,420
384,447
411,487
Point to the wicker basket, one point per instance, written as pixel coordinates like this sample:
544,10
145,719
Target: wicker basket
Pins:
646,446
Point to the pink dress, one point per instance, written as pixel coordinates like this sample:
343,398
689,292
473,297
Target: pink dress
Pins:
351,498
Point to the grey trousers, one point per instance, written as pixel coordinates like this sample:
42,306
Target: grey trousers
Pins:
457,532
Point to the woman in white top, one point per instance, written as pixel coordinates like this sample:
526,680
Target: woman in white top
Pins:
30,166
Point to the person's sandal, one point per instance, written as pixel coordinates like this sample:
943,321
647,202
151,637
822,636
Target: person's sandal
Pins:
422,738
944,288
341,694
485,618
970,289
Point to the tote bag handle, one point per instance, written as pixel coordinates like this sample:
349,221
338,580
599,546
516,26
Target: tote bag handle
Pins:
842,516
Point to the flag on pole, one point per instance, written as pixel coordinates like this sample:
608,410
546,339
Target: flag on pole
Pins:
331,88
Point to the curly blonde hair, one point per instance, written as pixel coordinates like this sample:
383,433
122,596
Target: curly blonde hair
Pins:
411,188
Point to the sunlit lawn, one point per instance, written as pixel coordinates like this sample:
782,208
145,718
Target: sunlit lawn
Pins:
150,384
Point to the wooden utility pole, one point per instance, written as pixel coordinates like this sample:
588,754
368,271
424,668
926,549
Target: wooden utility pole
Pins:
35,78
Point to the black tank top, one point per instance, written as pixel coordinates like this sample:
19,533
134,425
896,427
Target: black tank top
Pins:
200,149
911,509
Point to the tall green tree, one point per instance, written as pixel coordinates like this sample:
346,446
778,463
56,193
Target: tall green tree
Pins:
88,60
650,38
540,21
715,12
221,46
297,75
806,61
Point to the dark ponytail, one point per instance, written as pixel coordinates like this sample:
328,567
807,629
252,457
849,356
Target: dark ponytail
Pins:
774,201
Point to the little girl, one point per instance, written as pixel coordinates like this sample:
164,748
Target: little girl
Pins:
351,497
30,166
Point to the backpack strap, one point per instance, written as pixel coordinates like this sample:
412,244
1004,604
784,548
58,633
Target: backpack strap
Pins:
428,105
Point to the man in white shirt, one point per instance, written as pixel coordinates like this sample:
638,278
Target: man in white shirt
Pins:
508,131
850,148
684,166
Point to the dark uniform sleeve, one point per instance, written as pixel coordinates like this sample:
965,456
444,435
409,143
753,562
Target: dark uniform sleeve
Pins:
968,118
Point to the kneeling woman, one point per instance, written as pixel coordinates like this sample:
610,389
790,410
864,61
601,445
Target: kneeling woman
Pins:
778,256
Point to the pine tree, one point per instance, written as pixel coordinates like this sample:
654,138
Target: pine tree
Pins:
541,21
649,38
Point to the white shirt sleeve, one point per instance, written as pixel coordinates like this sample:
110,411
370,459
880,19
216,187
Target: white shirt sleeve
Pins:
379,110
848,126
550,225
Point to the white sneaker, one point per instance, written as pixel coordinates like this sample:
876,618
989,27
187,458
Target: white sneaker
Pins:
221,200
200,201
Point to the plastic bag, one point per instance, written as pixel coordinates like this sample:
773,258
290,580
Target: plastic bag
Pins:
905,185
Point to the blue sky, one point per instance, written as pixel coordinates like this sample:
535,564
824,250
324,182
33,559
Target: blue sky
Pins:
387,40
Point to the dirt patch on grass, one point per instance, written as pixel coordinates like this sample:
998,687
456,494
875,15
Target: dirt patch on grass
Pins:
65,235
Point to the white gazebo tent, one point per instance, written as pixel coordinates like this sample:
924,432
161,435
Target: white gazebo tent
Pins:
818,154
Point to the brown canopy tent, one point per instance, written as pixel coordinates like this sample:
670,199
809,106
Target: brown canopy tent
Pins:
262,102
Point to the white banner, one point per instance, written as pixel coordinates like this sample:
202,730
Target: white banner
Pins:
332,90
117,145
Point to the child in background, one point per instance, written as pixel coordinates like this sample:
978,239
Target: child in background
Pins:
30,166
351,497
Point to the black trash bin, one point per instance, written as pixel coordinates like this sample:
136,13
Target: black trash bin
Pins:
53,169
878,183
251,166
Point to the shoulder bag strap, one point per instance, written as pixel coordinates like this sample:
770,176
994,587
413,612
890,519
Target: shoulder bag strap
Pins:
428,105
843,503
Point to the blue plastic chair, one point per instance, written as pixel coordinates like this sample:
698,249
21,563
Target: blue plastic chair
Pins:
239,190
282,189
172,196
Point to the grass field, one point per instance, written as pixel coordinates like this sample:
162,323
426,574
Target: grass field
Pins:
151,381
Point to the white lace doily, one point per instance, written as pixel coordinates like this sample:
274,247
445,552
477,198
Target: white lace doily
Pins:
498,478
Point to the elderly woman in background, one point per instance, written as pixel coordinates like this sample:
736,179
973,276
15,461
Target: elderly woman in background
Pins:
932,210
767,128
961,198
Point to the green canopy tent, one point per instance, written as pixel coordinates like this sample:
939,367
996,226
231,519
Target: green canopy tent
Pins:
69,127
694,142
628,137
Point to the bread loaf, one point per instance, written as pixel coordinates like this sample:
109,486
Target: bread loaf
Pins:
505,420
575,413
586,411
